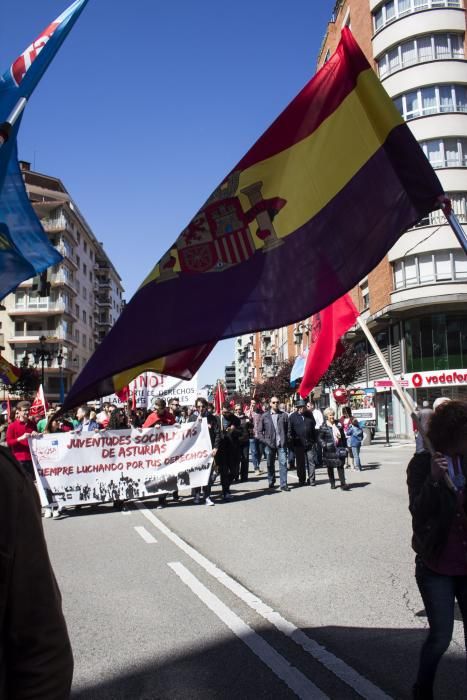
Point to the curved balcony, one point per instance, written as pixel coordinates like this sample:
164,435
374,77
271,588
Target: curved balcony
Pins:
430,73
439,126
420,22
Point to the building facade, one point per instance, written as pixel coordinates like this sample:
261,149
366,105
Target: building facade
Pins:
230,378
55,321
414,301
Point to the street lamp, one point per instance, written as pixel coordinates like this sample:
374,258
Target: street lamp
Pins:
41,354
298,332
60,358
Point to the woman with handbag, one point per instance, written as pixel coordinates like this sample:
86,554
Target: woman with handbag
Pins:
333,443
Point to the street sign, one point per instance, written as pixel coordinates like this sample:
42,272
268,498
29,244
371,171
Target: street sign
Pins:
388,383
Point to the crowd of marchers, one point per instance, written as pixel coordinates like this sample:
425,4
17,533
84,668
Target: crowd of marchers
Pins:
303,439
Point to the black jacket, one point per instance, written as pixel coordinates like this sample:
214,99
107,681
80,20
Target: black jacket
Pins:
302,430
433,507
35,653
267,432
329,447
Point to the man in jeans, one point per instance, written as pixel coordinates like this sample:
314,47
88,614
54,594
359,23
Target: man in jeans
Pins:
272,431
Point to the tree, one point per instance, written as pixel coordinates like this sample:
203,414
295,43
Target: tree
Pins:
279,384
345,369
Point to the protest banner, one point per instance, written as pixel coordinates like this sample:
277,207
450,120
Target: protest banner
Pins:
149,386
79,468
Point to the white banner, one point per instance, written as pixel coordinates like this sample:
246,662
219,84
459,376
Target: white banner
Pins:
150,386
81,468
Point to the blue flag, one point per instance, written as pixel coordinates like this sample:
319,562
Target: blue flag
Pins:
298,368
25,250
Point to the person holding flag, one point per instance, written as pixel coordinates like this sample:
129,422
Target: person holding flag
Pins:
17,435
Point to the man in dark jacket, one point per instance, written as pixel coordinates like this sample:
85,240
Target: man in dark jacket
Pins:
272,431
227,457
35,652
302,436
201,406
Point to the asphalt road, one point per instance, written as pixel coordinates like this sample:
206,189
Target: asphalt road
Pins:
309,593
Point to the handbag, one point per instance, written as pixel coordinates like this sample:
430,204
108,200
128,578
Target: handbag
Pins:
342,452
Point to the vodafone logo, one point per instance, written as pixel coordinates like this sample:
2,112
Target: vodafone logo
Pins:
441,378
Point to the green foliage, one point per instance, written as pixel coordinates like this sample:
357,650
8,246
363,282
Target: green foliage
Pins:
279,384
346,369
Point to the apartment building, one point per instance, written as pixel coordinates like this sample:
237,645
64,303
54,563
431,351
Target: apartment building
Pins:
415,299
230,378
55,321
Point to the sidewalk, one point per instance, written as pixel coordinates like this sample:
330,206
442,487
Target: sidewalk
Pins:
379,440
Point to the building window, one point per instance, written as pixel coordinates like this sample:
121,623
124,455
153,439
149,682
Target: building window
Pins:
364,289
84,340
459,208
428,268
85,293
84,316
85,269
432,100
394,9
77,309
77,335
436,342
434,47
85,246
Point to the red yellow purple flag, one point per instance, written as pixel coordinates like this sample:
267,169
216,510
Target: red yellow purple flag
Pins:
310,209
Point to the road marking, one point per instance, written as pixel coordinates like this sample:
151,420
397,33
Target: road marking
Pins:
294,678
147,537
339,668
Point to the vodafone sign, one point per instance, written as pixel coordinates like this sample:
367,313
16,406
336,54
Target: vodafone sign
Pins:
445,377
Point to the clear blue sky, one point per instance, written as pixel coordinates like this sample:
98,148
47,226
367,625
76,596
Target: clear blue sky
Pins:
149,104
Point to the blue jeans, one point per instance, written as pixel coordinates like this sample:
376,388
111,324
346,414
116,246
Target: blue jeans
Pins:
281,453
438,593
255,453
356,457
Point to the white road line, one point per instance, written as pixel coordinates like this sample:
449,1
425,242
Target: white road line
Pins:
294,678
147,537
339,668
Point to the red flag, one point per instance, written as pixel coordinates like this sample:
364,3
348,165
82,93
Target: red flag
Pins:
39,405
219,398
133,398
123,394
327,327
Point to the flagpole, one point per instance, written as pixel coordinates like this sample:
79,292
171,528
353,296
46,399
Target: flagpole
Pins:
405,400
6,127
453,221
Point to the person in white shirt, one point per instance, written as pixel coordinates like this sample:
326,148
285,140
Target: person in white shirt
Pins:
319,420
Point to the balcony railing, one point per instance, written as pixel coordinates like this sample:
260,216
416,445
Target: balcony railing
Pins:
67,254
40,305
382,19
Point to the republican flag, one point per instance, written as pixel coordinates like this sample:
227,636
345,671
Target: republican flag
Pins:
25,250
327,328
219,398
9,374
325,192
39,406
